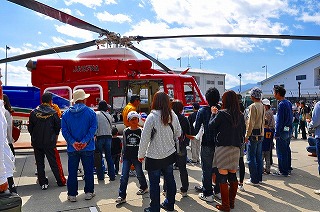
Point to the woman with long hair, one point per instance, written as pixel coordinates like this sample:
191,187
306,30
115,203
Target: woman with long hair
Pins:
230,126
157,147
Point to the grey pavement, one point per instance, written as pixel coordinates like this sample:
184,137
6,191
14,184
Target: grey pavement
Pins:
294,193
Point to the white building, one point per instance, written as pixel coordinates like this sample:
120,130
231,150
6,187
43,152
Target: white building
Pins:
302,78
206,79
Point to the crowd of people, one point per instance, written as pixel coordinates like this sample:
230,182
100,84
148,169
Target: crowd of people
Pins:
220,133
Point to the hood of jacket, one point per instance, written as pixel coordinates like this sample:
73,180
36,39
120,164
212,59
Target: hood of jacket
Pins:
78,109
44,111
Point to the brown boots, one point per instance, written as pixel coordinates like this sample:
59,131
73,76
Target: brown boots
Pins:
232,193
224,190
228,195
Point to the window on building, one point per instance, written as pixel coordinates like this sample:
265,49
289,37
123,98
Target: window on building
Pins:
210,82
301,77
220,82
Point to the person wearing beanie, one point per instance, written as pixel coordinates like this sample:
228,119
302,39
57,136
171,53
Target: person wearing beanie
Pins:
254,137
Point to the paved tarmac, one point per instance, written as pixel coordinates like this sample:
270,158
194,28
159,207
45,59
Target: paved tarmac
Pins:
294,193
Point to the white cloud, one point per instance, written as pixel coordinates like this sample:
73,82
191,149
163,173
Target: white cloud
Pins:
117,18
87,3
66,10
313,18
207,17
110,2
74,32
79,13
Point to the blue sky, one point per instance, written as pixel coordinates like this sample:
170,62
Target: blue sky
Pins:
25,31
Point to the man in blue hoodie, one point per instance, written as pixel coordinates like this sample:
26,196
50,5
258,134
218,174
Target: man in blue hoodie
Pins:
78,126
283,132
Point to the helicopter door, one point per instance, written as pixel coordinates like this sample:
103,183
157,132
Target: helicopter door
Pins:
117,98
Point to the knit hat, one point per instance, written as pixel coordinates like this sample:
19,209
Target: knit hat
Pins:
256,92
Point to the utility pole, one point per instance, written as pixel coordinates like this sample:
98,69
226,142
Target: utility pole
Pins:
266,67
6,72
239,75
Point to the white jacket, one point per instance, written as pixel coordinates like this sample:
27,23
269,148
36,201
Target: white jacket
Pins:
6,156
163,144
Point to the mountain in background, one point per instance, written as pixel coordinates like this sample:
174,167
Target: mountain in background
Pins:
243,87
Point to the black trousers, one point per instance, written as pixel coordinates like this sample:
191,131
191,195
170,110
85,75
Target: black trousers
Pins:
39,154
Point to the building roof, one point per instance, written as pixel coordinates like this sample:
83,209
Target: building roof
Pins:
290,68
198,71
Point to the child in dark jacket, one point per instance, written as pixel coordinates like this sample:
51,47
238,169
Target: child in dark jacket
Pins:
116,147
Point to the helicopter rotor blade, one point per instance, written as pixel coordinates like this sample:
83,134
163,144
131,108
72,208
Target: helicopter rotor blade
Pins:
67,48
161,65
59,15
289,37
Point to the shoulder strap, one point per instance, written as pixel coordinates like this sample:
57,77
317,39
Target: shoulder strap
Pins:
106,118
170,124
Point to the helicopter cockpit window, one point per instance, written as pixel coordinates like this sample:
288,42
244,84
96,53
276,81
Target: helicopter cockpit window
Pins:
191,94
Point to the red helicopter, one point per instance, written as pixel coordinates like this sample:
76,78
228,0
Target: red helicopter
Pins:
112,74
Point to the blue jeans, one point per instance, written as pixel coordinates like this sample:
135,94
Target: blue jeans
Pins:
295,126
207,153
318,152
87,160
154,178
284,152
104,145
312,145
126,163
181,162
255,159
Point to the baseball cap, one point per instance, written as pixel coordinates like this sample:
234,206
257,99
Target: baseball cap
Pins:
133,114
266,102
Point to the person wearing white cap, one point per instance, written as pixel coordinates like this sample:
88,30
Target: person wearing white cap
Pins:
267,142
131,143
78,126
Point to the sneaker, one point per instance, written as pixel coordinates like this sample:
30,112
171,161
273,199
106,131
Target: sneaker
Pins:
44,186
132,173
141,192
317,191
89,196
206,198
217,195
72,198
198,188
240,187
279,174
248,182
165,207
120,200
183,194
